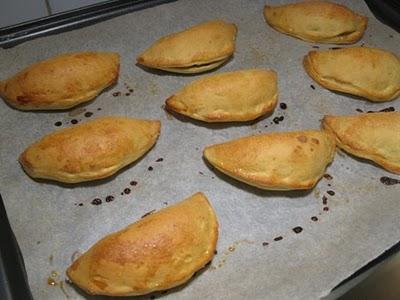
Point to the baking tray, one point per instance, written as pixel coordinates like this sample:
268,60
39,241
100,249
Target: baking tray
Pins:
56,23
54,222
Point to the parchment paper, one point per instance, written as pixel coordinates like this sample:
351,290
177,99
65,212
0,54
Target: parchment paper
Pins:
50,225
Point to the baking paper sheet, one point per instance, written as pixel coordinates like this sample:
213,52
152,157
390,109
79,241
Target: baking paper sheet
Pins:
52,221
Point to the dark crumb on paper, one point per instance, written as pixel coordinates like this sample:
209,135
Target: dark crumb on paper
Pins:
130,90
109,198
80,204
329,184
359,110
266,126
265,244
122,193
160,159
314,218
315,47
165,203
133,183
335,48
74,121
212,177
197,148
116,94
324,200
148,214
330,192
58,123
150,168
127,191
96,201
38,243
127,94
312,86
391,36
99,108
88,114
328,176
283,105
201,173
276,120
278,238
215,252
389,181
297,229
388,109
326,208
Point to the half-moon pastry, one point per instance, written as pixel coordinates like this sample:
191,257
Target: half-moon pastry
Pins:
367,72
62,81
158,252
275,161
197,49
317,21
94,150
373,136
233,96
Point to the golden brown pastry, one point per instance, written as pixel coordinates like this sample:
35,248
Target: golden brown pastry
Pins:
62,81
317,21
275,161
94,150
373,136
160,251
197,49
233,96
367,72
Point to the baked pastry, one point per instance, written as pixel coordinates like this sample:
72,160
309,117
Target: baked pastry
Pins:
317,21
367,72
233,96
61,82
158,252
94,150
275,161
197,49
373,136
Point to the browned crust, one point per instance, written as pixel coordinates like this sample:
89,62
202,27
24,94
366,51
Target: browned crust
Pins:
320,7
94,150
352,146
104,267
275,161
44,85
192,57
222,102
336,84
